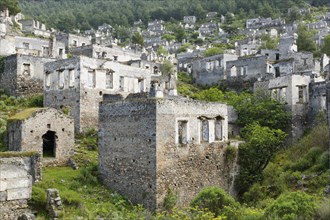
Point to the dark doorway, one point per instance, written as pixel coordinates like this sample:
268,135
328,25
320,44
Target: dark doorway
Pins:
49,144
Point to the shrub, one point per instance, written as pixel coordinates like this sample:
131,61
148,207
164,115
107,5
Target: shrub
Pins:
215,200
294,205
88,175
36,101
231,153
323,210
170,200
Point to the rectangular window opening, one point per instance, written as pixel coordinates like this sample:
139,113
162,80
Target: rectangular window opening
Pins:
182,135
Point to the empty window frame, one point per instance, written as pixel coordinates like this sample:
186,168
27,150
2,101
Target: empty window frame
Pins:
302,96
121,83
60,74
26,45
218,131
91,80
182,132
26,69
109,80
71,77
47,79
204,130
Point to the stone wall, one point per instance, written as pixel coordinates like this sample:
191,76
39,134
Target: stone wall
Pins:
17,174
318,101
23,75
127,149
141,154
84,95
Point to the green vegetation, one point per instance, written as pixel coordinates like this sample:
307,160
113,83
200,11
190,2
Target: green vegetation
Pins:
213,51
85,14
326,46
215,200
305,40
137,39
17,154
11,5
22,115
9,106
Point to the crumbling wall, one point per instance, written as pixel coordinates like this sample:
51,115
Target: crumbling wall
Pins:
318,102
17,174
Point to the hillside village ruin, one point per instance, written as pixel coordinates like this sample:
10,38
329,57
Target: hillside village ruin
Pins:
150,139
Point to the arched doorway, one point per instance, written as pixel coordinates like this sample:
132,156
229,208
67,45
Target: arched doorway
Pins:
49,144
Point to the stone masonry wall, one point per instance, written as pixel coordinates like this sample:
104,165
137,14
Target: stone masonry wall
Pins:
17,174
31,130
187,169
127,149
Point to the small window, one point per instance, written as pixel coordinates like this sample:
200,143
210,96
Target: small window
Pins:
60,52
47,80
218,130
71,77
204,130
75,43
182,135
109,80
83,44
26,69
61,79
277,56
277,72
141,85
26,45
121,83
301,94
91,79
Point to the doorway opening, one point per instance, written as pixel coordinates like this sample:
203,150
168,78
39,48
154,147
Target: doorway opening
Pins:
49,144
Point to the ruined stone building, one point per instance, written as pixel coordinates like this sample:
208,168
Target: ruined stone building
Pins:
210,70
79,83
293,91
44,130
189,22
257,23
148,146
72,41
30,26
23,75
111,52
18,171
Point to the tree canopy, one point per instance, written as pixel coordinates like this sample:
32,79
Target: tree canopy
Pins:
12,6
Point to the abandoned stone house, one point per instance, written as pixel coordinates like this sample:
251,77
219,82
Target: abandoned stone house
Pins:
30,26
23,75
189,22
111,52
249,68
210,70
257,23
293,91
78,84
208,29
148,146
43,130
17,174
72,40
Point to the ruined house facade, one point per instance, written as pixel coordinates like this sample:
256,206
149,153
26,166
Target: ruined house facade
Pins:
44,130
210,70
148,146
78,84
23,75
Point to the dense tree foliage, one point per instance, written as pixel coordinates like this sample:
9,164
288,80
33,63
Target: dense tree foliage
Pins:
85,14
326,46
305,39
12,6
261,145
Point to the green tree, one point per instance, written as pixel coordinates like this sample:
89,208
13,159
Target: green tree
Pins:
215,200
137,39
167,68
326,46
168,37
213,51
305,39
268,42
261,145
12,6
161,50
291,206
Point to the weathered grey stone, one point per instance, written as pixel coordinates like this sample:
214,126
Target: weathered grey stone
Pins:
42,130
19,193
3,195
148,146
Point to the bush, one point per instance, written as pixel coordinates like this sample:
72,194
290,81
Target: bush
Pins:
36,101
88,175
170,200
230,153
215,200
291,206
